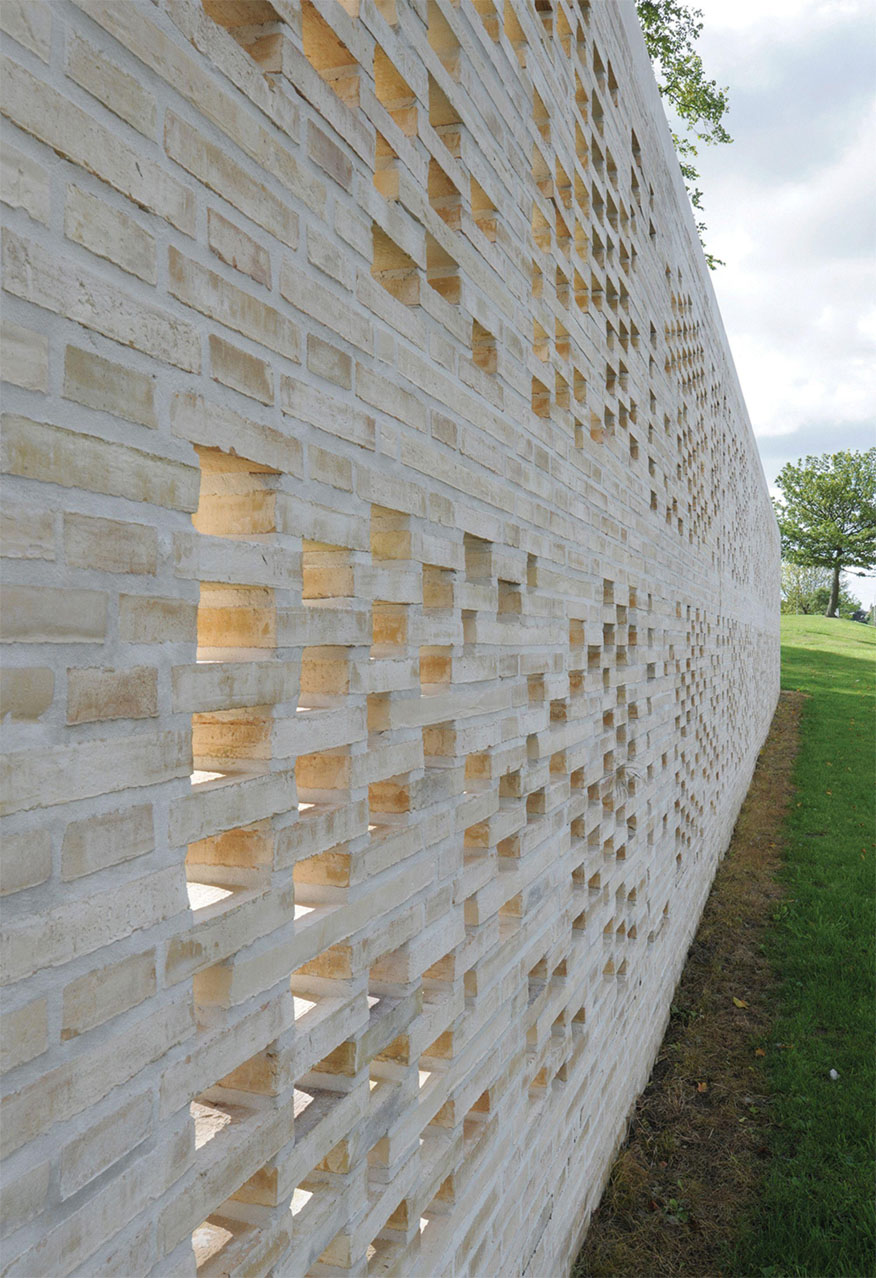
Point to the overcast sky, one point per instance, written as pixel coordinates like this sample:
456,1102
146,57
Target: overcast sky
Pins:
791,208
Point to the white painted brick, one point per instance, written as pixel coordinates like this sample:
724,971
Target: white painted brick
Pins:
36,450
238,249
30,24
70,131
106,991
24,184
36,778
94,843
26,533
25,1034
439,615
109,233
104,1143
26,692
100,383
25,356
37,276
112,86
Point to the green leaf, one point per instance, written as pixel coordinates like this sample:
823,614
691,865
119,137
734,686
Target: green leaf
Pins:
671,29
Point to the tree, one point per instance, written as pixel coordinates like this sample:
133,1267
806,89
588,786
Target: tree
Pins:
827,514
799,585
671,29
847,603
806,590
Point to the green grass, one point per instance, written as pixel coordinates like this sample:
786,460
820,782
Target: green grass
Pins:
815,1215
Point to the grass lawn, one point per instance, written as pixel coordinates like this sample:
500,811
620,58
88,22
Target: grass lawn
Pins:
745,1157
815,1210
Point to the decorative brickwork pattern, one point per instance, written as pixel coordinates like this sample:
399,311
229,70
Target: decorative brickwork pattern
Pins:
390,627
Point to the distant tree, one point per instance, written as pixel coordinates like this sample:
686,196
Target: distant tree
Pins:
799,585
671,29
827,515
846,604
806,591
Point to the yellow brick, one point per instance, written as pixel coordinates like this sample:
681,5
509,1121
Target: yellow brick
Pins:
327,467
152,48
297,399
34,614
25,692
82,926
69,1088
101,841
33,273
36,450
129,1253
25,1034
217,686
213,166
196,419
26,860
419,509
385,393
209,293
39,109
107,545
330,158
241,371
24,184
109,233
196,816
328,306
237,249
26,533
148,619
231,617
24,1195
113,388
60,774
24,356
74,1240
327,361
105,1142
188,75
28,23
112,86
329,257
95,694
100,995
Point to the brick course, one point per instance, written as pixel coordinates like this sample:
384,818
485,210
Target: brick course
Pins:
390,627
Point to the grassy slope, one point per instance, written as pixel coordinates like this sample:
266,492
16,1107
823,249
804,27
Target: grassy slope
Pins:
815,1215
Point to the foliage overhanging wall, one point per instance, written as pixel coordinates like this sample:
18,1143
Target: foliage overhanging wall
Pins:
390,626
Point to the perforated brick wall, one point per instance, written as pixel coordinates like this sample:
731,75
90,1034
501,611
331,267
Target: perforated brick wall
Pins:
390,627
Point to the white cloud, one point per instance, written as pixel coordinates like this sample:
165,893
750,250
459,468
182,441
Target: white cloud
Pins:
796,293
752,17
791,207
